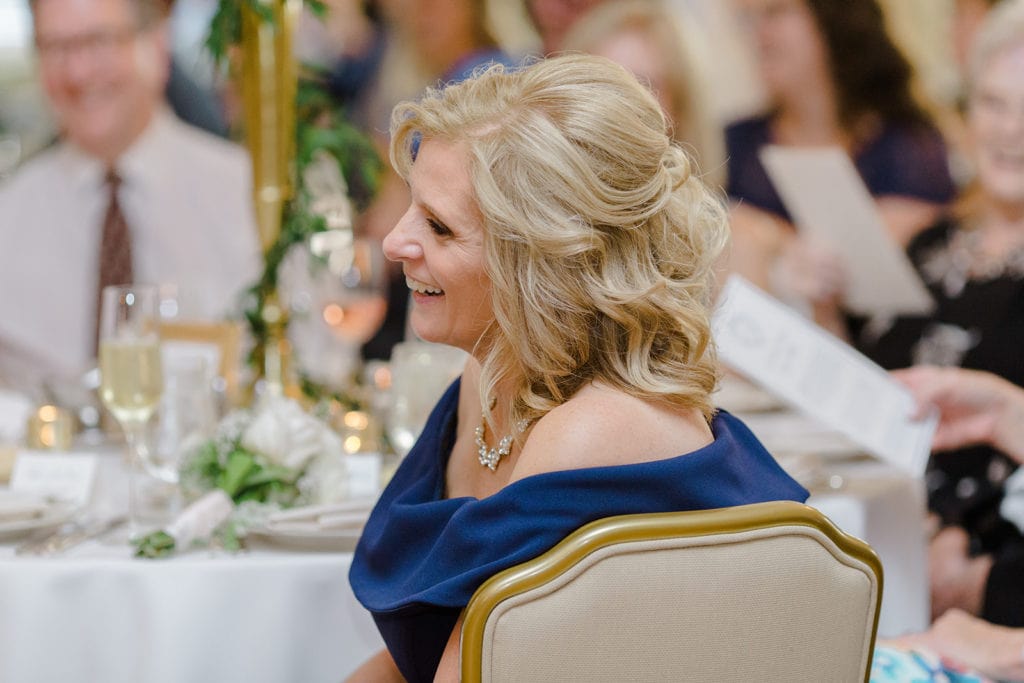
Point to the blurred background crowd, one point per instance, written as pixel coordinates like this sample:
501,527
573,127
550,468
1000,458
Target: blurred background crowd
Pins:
932,117
386,50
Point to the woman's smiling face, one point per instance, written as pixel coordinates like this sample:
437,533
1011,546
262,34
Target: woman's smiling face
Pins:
440,243
996,121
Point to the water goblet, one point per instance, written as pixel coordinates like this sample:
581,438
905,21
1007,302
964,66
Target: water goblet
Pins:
420,372
335,287
186,416
353,291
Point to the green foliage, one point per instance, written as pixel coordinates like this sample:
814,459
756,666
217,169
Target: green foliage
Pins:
226,25
321,125
243,475
155,545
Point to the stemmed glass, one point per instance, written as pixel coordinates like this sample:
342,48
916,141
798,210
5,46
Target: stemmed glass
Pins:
336,289
420,372
353,290
131,377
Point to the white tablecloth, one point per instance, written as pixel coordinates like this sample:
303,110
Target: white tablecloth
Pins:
95,613
100,616
887,509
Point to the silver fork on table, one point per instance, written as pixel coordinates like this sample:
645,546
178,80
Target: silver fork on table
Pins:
68,536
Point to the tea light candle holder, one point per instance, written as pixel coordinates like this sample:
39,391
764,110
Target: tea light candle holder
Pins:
50,428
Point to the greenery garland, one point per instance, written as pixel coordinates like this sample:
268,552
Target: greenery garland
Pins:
322,125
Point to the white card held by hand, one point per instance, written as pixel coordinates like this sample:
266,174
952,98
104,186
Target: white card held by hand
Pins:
829,201
820,375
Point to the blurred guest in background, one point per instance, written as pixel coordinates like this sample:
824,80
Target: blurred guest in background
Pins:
961,639
834,77
130,193
968,16
648,39
553,19
976,408
973,265
194,104
363,38
190,101
559,236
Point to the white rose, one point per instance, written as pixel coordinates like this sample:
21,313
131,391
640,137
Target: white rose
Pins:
286,435
326,479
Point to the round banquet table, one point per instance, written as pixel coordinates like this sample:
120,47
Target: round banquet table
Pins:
95,613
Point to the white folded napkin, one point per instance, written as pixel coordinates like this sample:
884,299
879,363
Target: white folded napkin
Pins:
199,519
328,517
18,507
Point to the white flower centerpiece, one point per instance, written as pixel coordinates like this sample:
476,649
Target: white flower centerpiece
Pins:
273,456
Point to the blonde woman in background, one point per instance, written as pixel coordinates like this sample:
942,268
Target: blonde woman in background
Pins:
649,39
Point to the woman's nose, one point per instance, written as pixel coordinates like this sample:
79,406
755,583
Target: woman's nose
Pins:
400,244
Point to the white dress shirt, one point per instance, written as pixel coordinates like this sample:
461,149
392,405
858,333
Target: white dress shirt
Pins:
186,196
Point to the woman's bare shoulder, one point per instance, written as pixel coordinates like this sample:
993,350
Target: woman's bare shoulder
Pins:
602,426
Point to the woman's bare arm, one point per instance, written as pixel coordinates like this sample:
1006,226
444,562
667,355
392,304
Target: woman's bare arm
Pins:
379,668
449,670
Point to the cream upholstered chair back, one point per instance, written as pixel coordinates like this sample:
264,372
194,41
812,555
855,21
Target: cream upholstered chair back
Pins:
764,592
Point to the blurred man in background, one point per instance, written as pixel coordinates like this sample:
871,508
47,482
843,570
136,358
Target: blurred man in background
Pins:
129,194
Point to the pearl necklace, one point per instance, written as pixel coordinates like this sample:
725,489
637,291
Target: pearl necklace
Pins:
489,457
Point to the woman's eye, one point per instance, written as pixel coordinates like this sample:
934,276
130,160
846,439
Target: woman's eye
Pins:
438,227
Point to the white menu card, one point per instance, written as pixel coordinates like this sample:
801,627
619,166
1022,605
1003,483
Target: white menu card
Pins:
820,376
828,200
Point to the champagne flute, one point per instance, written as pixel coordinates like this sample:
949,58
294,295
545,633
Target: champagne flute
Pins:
131,378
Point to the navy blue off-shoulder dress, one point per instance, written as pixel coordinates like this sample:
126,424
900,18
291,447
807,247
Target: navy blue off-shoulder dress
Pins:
421,556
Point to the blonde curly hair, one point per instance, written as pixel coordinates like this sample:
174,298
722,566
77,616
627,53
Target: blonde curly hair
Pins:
599,236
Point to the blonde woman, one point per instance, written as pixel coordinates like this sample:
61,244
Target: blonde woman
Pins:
558,235
650,40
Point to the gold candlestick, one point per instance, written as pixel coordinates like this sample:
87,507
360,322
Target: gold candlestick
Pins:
269,81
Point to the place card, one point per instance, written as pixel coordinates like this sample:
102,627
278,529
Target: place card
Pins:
363,474
177,353
64,476
820,376
14,413
218,343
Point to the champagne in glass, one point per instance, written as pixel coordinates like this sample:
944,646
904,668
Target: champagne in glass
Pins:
131,377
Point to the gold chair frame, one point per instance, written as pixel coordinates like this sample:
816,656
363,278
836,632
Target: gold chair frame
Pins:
650,527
